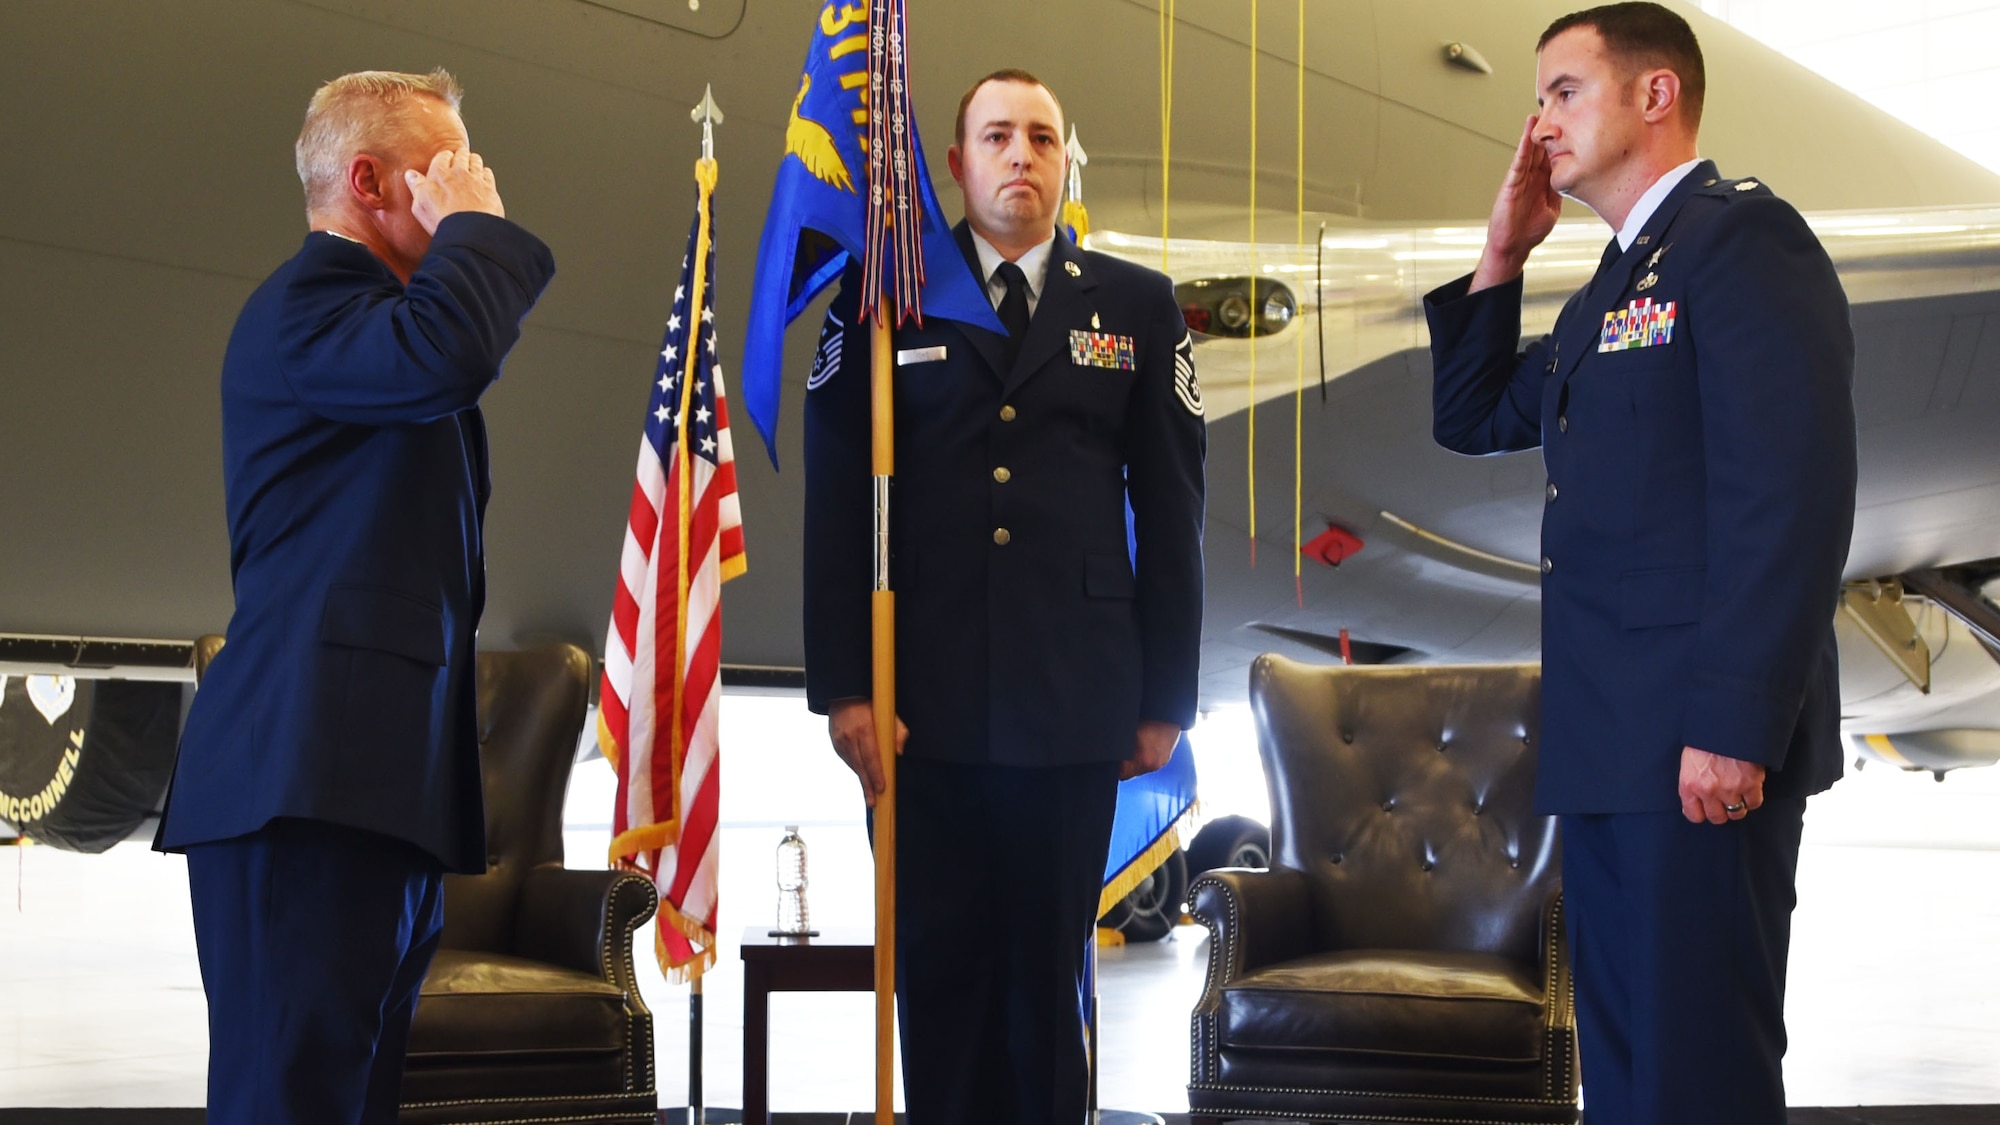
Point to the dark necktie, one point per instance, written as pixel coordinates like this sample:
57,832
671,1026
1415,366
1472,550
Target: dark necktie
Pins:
1612,253
1013,307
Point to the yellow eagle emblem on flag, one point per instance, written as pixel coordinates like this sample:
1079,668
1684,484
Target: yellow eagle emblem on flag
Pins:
813,145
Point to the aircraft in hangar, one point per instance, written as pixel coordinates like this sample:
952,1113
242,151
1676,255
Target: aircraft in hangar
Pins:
154,188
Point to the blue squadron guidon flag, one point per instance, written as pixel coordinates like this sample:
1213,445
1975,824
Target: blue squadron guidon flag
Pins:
852,180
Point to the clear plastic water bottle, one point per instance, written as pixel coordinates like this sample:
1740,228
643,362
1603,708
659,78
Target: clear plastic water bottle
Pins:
793,919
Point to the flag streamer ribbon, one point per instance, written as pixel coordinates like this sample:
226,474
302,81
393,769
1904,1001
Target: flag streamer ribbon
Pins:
895,208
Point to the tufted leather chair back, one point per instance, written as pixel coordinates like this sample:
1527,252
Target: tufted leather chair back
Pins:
531,711
1405,795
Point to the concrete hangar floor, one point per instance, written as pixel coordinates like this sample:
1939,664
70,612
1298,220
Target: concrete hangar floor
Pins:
1894,1000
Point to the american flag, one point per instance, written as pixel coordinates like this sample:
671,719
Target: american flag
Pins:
662,658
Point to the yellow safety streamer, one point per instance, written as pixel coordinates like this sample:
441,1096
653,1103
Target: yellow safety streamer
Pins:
1299,349
1166,121
1254,306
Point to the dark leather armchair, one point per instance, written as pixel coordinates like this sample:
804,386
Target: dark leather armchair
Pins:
1403,957
530,1011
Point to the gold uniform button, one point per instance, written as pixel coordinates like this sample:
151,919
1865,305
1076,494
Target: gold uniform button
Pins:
1000,536
1006,414
1002,475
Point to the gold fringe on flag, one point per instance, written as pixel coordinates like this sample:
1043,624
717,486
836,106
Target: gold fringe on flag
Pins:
698,936
1144,864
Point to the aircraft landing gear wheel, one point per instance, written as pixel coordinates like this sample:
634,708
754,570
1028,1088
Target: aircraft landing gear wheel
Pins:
1150,912
1230,841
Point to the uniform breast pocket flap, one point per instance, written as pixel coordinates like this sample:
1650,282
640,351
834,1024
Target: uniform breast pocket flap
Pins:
384,620
1648,599
1107,576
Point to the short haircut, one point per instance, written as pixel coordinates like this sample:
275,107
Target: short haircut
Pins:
356,113
1011,74
1643,36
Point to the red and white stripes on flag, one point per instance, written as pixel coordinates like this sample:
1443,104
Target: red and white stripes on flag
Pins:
657,714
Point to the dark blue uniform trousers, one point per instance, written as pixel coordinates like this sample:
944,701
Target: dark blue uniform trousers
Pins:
1679,934
314,939
998,871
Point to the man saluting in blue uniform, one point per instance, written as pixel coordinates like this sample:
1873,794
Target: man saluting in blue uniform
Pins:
1694,409
329,771
1039,659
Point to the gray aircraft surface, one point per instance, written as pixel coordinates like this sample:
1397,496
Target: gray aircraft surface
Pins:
151,188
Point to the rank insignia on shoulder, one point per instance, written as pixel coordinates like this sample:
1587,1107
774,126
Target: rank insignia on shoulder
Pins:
1747,185
1103,349
1640,324
826,358
1185,386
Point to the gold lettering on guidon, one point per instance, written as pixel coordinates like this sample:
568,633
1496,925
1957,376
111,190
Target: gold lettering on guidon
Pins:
21,811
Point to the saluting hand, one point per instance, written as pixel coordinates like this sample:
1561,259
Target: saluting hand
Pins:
1524,213
458,180
850,724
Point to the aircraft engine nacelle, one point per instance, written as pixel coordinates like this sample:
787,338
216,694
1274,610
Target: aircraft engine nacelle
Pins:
1235,308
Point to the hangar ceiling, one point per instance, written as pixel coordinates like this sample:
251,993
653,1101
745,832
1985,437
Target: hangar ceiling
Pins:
152,187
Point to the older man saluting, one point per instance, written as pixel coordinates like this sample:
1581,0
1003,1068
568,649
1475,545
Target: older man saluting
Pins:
329,771
1693,406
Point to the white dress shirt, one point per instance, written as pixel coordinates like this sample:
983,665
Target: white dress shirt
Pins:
1034,263
1648,203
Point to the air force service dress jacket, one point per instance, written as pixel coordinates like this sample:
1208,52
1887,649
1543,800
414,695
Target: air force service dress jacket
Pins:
1026,634
1694,408
354,457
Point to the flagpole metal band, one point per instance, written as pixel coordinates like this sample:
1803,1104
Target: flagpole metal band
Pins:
881,532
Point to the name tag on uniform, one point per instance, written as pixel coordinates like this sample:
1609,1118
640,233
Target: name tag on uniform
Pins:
1103,349
1641,324
919,355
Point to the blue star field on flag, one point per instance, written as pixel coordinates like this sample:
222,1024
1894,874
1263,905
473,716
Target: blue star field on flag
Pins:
688,346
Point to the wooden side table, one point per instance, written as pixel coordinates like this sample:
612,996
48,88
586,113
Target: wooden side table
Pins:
832,962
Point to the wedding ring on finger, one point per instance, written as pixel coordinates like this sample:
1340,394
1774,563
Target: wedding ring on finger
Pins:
1736,808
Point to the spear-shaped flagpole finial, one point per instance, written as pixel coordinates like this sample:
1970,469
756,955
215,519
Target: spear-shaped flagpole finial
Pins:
1077,159
709,115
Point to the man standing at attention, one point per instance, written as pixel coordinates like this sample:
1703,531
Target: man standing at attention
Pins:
329,770
1040,658
1694,409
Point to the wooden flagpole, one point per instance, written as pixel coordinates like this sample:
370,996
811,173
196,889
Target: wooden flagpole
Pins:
882,605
